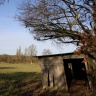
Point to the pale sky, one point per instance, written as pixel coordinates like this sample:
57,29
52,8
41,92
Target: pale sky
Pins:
13,34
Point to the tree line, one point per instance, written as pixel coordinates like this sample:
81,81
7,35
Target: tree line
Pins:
29,55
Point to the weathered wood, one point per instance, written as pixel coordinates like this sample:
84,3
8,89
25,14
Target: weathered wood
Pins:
45,80
89,80
53,73
73,56
44,71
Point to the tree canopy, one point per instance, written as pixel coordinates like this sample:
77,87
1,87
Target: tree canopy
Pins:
46,52
3,1
64,21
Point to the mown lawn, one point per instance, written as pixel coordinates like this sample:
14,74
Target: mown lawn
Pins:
19,79
25,80
22,80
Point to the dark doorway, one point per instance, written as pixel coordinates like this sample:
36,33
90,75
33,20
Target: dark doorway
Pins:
75,72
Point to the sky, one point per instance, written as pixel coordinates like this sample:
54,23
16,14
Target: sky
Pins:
13,34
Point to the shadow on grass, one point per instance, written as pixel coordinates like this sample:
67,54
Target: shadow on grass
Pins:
19,84
23,84
19,76
26,84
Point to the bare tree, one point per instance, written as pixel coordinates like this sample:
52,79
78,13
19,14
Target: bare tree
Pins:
3,1
30,54
31,50
18,55
63,21
25,53
18,51
46,52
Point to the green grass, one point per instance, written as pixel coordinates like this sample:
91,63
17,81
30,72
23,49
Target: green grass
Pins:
19,79
12,68
24,80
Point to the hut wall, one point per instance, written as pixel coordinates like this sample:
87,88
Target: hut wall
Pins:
52,69
53,74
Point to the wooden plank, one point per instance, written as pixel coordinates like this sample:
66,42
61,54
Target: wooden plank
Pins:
89,80
45,79
73,56
51,77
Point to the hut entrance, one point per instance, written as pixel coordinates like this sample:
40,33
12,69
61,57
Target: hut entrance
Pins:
75,74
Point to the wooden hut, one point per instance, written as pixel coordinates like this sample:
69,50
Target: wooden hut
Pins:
58,71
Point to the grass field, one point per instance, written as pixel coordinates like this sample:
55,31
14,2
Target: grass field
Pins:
19,79
22,80
25,80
